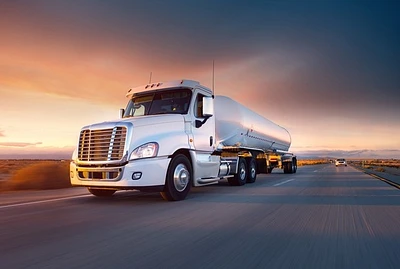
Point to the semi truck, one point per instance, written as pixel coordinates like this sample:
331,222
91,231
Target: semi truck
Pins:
176,135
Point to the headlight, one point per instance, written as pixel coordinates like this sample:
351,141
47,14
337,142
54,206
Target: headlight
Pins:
145,151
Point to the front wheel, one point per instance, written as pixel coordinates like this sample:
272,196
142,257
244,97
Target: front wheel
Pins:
101,193
178,180
241,177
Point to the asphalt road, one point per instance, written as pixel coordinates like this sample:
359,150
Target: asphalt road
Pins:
321,217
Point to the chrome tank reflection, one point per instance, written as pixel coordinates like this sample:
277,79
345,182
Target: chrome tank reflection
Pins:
238,126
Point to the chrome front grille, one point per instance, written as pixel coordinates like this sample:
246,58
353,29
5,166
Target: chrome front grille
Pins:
102,145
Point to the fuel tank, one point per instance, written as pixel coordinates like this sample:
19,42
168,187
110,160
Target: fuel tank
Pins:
238,126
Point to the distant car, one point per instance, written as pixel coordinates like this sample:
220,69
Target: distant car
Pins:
339,162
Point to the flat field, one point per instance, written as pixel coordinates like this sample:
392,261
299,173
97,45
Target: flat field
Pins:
53,174
33,174
379,165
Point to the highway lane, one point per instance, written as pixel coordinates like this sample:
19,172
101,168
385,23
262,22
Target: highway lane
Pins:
321,217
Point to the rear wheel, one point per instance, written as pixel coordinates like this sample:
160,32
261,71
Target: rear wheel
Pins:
287,167
252,170
179,179
240,178
101,193
294,165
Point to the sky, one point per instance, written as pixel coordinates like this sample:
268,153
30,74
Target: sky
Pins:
327,71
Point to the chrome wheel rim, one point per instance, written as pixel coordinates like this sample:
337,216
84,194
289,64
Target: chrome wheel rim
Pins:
242,172
253,172
181,177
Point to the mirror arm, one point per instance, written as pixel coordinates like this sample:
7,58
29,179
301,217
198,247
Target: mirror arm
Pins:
200,123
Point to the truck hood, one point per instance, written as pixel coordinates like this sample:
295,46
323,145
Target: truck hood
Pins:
139,121
166,130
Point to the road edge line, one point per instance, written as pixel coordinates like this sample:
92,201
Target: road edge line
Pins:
43,201
394,184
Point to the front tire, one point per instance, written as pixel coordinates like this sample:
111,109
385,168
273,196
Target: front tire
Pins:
241,177
178,180
101,193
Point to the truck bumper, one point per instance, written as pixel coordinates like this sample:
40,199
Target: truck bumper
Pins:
135,174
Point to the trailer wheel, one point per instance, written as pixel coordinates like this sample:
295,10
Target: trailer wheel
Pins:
101,193
294,165
240,178
178,180
287,167
252,170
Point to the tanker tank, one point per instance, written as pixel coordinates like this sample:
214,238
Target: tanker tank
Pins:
238,126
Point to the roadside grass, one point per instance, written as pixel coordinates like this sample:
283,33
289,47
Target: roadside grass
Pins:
36,175
9,167
380,169
391,166
311,162
378,163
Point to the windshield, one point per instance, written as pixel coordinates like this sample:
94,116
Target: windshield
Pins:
160,102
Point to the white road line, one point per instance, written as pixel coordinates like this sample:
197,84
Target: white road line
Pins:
284,182
315,171
44,201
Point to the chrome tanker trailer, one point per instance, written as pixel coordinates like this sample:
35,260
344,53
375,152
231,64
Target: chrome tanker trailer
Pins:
175,135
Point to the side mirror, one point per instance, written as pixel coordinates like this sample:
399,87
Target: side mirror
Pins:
208,106
208,110
121,113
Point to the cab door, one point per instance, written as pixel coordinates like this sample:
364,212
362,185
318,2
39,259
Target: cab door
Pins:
204,135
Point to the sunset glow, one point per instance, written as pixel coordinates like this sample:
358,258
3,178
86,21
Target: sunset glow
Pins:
333,83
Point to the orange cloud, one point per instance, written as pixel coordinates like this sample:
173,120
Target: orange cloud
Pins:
36,153
66,55
18,144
